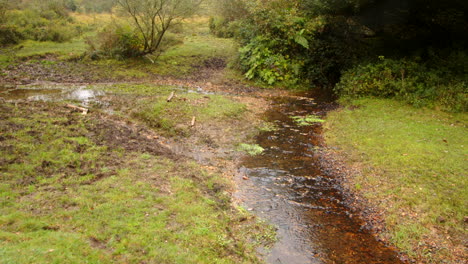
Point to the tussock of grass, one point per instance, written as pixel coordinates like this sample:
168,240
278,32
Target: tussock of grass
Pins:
251,149
307,120
414,162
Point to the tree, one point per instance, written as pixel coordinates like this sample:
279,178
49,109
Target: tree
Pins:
152,18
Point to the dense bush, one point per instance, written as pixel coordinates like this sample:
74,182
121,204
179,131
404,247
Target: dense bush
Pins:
227,13
9,35
43,23
316,41
121,41
407,80
283,43
260,61
222,28
275,41
115,41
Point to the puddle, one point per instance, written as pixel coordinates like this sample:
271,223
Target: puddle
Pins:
80,94
17,94
288,188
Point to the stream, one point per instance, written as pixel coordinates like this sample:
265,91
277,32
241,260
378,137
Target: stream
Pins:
286,186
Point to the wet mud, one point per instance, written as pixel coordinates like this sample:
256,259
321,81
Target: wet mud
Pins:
287,186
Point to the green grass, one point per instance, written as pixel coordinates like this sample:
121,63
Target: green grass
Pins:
180,60
66,199
72,48
174,118
413,161
307,120
197,47
251,149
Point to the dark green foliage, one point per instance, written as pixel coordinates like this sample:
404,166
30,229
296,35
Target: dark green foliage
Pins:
409,25
275,42
261,62
70,5
316,41
9,35
97,6
337,45
227,12
283,42
122,41
116,41
222,28
407,80
48,21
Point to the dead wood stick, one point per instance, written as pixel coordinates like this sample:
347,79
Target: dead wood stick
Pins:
170,97
83,110
193,122
152,61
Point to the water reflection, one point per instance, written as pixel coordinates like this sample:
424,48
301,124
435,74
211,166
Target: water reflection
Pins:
81,94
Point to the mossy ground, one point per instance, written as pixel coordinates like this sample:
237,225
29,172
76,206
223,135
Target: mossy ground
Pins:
96,189
106,187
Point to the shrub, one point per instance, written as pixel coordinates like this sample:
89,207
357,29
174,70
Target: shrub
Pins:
116,41
120,41
9,35
222,28
281,42
260,62
406,80
275,44
227,14
45,25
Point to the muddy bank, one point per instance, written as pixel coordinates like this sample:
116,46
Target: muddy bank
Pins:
373,219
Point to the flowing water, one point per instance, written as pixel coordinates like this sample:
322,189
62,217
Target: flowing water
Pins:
287,186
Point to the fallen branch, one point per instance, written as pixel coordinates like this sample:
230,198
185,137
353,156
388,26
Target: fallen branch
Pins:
193,122
170,97
152,61
83,110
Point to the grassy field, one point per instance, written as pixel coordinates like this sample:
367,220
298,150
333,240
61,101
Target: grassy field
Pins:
413,166
90,189
193,49
104,188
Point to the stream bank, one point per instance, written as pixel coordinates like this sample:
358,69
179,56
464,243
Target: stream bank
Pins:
289,185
